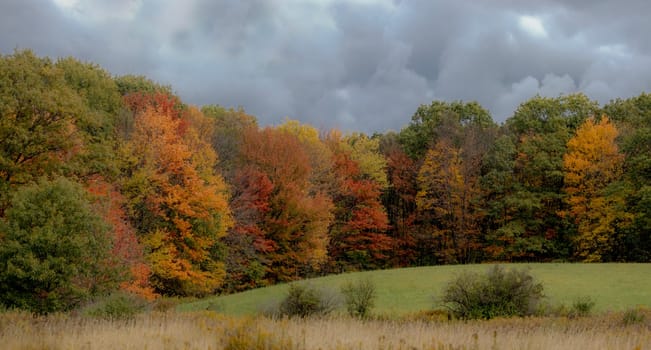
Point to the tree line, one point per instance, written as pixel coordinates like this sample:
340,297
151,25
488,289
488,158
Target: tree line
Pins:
113,182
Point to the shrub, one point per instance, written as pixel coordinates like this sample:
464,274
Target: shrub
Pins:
116,306
306,300
582,307
497,293
633,316
359,297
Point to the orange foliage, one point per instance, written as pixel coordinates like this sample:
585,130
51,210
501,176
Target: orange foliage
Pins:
295,217
126,248
185,195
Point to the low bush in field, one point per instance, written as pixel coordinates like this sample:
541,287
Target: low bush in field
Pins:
116,306
497,293
359,297
633,316
303,301
582,307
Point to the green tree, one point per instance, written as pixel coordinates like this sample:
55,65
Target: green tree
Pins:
96,122
433,121
633,119
37,113
229,126
53,249
540,129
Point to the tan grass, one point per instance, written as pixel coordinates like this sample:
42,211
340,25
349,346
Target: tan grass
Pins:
207,330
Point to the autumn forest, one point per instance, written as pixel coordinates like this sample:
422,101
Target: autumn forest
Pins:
113,182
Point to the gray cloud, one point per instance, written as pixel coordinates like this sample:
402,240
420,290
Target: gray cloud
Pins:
357,65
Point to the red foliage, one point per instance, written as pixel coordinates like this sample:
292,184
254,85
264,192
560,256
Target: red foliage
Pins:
126,251
400,203
358,236
280,206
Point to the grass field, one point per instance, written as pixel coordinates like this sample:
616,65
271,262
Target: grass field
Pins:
613,287
210,330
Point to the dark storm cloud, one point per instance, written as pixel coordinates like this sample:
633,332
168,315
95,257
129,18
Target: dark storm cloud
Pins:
358,64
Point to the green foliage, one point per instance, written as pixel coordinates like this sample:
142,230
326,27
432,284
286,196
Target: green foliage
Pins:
582,307
497,293
437,119
53,249
129,83
359,297
306,300
97,121
633,317
116,306
37,109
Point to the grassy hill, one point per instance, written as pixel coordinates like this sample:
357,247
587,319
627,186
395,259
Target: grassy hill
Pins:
400,291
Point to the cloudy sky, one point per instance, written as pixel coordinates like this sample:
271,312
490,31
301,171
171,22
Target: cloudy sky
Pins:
360,65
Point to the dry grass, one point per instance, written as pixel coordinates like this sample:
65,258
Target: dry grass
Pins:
208,330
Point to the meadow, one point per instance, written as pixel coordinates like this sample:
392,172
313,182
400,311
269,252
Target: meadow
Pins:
613,287
210,330
402,319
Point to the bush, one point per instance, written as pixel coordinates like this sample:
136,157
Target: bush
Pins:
359,297
582,307
306,300
116,306
633,316
497,293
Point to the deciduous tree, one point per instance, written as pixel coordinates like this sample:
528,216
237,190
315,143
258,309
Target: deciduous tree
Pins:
592,163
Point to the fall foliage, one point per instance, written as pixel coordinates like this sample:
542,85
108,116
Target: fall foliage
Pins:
180,200
592,164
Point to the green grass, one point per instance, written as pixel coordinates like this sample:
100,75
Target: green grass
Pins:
613,287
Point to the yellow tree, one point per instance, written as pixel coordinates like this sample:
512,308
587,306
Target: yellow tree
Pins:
445,200
592,163
179,203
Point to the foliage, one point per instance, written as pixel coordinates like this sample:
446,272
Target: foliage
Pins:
204,200
593,163
54,249
358,237
633,316
359,297
96,122
446,200
582,307
539,129
306,300
399,200
177,201
497,293
116,306
126,250
37,111
365,151
293,217
432,121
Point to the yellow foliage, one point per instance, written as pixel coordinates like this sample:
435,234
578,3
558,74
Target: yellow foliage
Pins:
593,162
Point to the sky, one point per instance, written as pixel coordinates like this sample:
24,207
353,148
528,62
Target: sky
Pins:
356,65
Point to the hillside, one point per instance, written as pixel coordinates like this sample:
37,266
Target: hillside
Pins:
611,286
